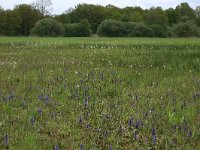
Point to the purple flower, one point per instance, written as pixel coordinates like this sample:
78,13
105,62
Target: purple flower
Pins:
130,121
154,139
190,133
153,131
154,135
6,139
80,119
110,147
39,111
56,147
138,123
85,102
81,147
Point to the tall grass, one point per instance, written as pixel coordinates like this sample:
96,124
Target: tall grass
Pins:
99,93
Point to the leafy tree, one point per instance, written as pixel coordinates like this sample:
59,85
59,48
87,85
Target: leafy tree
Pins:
3,21
158,21
172,16
197,13
132,14
186,29
63,18
141,30
47,27
13,22
113,12
43,6
112,28
29,16
81,29
95,14
184,10
159,30
156,16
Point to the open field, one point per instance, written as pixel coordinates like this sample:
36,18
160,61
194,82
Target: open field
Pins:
99,93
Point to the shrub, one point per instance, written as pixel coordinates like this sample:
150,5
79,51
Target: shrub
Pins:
81,29
142,30
47,27
186,29
159,30
112,28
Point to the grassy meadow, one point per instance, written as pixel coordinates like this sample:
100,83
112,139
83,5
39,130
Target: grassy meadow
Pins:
99,93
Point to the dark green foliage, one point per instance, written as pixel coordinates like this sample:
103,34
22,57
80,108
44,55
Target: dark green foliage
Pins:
47,27
159,30
95,14
81,29
156,16
186,29
185,10
142,30
111,28
197,13
132,14
128,21
3,22
172,16
29,16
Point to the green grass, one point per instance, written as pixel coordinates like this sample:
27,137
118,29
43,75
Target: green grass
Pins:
99,93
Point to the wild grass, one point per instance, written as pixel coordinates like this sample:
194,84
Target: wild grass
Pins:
99,93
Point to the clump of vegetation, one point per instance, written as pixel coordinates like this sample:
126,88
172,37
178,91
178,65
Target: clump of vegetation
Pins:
20,20
81,29
186,29
95,93
47,27
112,28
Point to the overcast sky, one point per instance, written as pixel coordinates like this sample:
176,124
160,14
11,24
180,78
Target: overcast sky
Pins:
59,6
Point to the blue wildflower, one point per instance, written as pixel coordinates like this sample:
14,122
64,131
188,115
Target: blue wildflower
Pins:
81,147
57,147
6,139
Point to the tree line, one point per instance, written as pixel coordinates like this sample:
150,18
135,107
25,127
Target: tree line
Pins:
110,21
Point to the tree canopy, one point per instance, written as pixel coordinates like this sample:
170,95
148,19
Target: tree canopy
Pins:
155,21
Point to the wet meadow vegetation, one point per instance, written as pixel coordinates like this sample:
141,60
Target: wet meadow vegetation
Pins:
99,93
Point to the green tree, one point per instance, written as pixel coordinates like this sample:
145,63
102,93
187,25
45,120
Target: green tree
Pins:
113,12
13,22
47,27
185,11
95,14
81,29
172,16
132,14
197,13
29,16
3,21
142,30
156,16
186,29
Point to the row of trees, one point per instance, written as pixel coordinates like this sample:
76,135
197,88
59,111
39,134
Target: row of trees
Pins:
86,19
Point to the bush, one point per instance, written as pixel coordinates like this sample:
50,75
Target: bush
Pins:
81,29
112,28
159,30
47,27
186,29
142,30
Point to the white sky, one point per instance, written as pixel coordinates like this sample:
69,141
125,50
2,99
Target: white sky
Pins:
59,6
